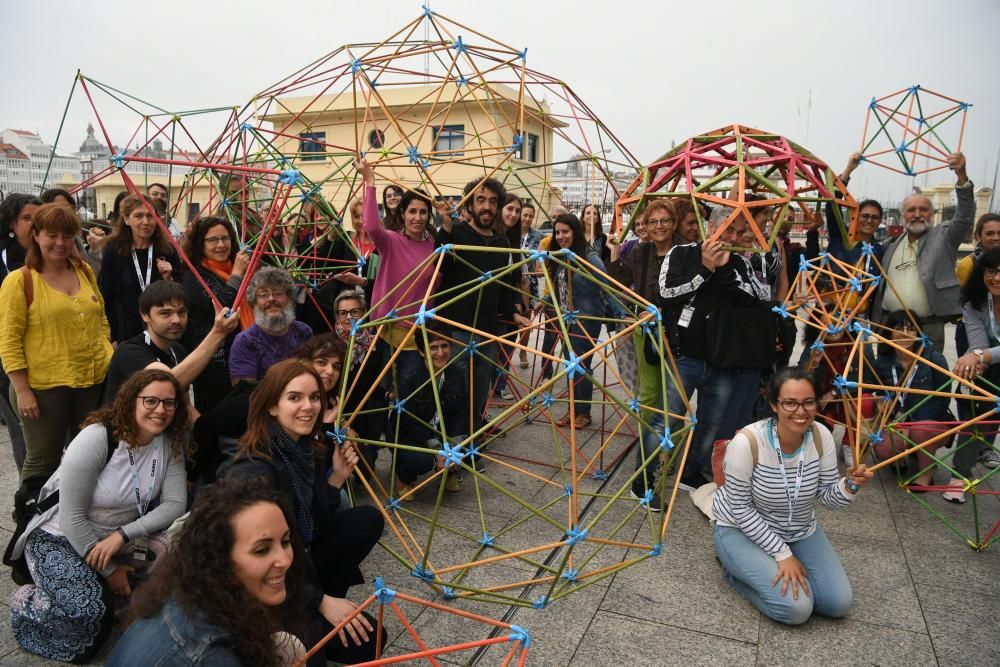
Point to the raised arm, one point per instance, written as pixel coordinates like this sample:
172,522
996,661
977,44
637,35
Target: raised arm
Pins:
965,211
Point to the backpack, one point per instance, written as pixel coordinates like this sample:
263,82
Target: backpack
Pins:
27,506
719,451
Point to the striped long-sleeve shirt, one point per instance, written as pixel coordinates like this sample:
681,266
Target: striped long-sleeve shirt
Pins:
755,499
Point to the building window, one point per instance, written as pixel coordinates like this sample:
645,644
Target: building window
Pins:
449,140
376,138
529,149
311,146
194,208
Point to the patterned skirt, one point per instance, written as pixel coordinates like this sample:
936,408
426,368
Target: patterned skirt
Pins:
67,615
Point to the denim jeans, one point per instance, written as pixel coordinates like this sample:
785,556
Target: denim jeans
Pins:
751,570
746,390
580,342
715,389
482,370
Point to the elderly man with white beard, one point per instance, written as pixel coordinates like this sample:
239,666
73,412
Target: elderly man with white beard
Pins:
920,264
275,332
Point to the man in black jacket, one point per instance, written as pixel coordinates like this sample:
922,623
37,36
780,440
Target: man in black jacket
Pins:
698,281
476,307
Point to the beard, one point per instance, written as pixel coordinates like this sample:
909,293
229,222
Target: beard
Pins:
916,228
275,324
478,221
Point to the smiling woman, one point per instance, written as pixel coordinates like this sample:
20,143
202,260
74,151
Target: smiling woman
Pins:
137,253
120,485
219,597
53,340
282,446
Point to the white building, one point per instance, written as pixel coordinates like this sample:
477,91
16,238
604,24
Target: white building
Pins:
28,175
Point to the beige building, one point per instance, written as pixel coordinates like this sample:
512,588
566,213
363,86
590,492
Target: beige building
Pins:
459,134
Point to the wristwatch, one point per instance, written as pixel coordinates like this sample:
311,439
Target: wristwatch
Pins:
979,355
121,532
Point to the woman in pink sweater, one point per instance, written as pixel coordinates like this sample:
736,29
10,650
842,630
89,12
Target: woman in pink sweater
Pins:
404,274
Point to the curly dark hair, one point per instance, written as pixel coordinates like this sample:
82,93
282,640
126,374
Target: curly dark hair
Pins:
324,345
50,196
197,574
974,291
121,238
120,413
194,239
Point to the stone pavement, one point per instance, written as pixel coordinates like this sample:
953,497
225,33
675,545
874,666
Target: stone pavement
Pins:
922,597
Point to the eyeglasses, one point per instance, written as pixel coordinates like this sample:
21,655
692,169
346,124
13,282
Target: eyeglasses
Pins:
152,402
869,216
906,265
265,294
990,274
659,222
791,406
218,240
353,312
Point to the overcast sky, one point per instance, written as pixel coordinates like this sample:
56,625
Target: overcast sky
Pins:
654,72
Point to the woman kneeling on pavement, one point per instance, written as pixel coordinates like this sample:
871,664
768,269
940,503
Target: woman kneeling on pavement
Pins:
117,492
772,550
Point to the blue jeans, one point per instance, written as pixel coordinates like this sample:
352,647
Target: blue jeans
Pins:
715,389
751,570
482,370
583,390
746,390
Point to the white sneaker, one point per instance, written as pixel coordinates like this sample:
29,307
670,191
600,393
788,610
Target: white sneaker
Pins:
848,455
956,496
989,458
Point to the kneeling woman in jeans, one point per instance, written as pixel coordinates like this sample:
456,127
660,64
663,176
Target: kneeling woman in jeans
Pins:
772,550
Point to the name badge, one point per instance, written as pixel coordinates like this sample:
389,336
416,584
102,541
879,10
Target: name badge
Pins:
686,314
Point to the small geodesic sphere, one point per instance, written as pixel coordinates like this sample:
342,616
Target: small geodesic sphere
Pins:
544,509
912,131
719,168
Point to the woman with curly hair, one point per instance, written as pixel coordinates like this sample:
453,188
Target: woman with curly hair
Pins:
121,483
214,251
282,445
135,254
229,592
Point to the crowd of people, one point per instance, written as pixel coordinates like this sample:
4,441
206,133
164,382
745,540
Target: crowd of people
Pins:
187,457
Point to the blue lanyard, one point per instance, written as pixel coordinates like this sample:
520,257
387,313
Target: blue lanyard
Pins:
772,429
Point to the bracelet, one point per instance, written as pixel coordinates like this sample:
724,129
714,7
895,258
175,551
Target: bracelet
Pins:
851,486
121,532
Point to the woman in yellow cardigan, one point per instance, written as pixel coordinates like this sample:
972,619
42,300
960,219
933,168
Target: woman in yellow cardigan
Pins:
53,339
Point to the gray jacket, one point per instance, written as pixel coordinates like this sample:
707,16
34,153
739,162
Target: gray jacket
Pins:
936,258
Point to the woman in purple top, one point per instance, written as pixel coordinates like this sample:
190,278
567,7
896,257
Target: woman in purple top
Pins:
404,275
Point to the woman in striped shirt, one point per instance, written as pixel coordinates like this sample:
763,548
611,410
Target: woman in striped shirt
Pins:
772,550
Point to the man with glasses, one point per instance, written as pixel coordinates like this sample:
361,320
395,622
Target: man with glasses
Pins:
164,310
920,264
275,332
697,282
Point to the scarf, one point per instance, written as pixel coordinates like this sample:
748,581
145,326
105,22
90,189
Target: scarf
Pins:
362,341
301,464
224,270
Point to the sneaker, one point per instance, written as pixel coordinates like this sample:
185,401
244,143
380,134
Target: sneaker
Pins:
640,493
956,496
691,480
503,394
847,454
989,458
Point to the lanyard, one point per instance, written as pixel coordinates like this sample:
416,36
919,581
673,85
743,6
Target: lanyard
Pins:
909,381
792,500
142,506
170,348
993,316
149,268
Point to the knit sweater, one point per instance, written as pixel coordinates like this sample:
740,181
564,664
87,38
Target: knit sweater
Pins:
755,499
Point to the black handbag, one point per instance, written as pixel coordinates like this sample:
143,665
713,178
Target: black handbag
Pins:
742,337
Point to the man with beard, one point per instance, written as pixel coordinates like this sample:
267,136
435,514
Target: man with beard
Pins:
163,307
483,308
275,332
920,264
